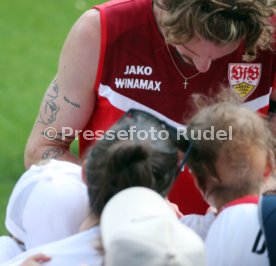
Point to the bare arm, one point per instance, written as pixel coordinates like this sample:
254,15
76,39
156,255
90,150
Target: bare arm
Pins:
69,100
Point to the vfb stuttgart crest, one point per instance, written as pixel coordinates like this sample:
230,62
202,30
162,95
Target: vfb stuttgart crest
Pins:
244,78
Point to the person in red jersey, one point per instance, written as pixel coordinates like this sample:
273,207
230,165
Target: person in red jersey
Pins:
153,55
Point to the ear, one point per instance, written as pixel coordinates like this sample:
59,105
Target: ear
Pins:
267,171
270,164
83,171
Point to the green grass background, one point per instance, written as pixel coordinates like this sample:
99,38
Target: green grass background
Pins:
31,37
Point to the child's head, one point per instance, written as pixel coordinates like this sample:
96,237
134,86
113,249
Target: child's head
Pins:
114,164
231,165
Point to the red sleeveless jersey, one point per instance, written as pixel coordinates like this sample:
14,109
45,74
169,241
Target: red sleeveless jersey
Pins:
136,71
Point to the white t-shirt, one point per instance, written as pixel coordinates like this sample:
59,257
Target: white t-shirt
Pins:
200,224
9,248
76,250
235,236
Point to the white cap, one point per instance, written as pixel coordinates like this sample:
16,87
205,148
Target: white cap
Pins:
139,228
48,203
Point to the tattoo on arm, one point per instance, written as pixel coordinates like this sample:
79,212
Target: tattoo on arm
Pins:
51,109
77,105
53,153
58,137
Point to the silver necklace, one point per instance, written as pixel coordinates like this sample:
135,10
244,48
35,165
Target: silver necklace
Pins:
185,83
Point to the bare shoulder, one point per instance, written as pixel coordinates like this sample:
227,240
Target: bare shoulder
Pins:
80,54
86,30
88,25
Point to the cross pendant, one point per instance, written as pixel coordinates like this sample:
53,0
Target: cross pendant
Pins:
185,83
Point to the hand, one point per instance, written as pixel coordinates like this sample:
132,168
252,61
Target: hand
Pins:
212,209
175,208
36,260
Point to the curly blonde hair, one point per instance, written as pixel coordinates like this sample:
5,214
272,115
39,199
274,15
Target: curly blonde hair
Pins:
221,22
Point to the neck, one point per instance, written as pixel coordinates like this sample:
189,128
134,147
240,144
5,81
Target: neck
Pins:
89,222
269,185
